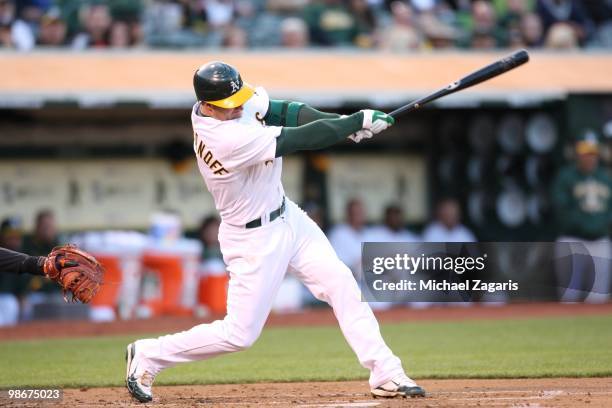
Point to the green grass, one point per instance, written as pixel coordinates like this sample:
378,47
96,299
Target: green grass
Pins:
553,347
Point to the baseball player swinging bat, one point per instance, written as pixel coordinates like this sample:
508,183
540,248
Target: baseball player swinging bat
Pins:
490,71
240,136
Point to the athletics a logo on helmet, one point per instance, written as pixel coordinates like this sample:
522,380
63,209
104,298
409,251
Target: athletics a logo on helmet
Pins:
235,86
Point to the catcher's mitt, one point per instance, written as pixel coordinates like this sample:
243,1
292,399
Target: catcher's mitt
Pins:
75,270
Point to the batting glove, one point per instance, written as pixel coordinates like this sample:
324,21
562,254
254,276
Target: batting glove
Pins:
376,121
360,135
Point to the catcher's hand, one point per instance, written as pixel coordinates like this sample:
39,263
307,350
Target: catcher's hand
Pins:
75,270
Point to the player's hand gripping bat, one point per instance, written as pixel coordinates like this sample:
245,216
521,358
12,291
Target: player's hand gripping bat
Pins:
490,71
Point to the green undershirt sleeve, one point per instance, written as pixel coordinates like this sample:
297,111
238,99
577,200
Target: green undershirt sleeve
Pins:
283,113
292,114
308,114
316,135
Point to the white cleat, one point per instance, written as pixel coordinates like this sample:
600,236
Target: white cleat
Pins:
401,386
138,384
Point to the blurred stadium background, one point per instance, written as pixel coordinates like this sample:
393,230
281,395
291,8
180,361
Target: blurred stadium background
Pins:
95,137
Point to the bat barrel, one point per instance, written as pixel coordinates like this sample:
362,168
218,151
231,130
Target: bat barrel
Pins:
518,58
490,71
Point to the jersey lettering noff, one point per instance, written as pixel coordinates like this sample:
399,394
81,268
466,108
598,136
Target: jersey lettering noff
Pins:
236,160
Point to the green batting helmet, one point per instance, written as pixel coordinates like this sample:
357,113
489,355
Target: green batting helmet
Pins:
220,84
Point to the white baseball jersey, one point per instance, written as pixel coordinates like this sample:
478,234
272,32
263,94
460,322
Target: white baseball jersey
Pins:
236,160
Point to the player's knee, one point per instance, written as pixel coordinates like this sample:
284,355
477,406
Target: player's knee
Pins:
340,283
244,342
340,276
241,338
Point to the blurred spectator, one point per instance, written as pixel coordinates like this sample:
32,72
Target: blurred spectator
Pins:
7,11
286,6
510,15
246,16
31,12
424,5
208,234
532,31
512,9
409,25
69,10
40,243
263,28
127,11
439,35
565,11
462,8
44,238
11,286
213,277
582,197
11,234
15,32
126,28
485,34
6,39
599,11
366,23
393,228
163,25
561,36
52,29
603,36
194,16
347,238
294,33
330,23
219,13
447,225
95,27
234,38
119,36
401,34
163,17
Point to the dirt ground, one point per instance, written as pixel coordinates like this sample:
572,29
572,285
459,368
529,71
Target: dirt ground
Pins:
532,393
556,392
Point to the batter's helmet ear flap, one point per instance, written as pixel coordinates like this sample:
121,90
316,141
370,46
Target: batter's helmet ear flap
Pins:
220,84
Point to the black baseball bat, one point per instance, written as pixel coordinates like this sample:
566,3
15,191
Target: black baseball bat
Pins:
490,71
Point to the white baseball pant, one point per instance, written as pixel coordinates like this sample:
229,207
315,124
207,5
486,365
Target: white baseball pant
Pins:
257,261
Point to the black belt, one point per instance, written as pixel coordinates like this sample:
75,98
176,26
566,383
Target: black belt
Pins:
273,215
